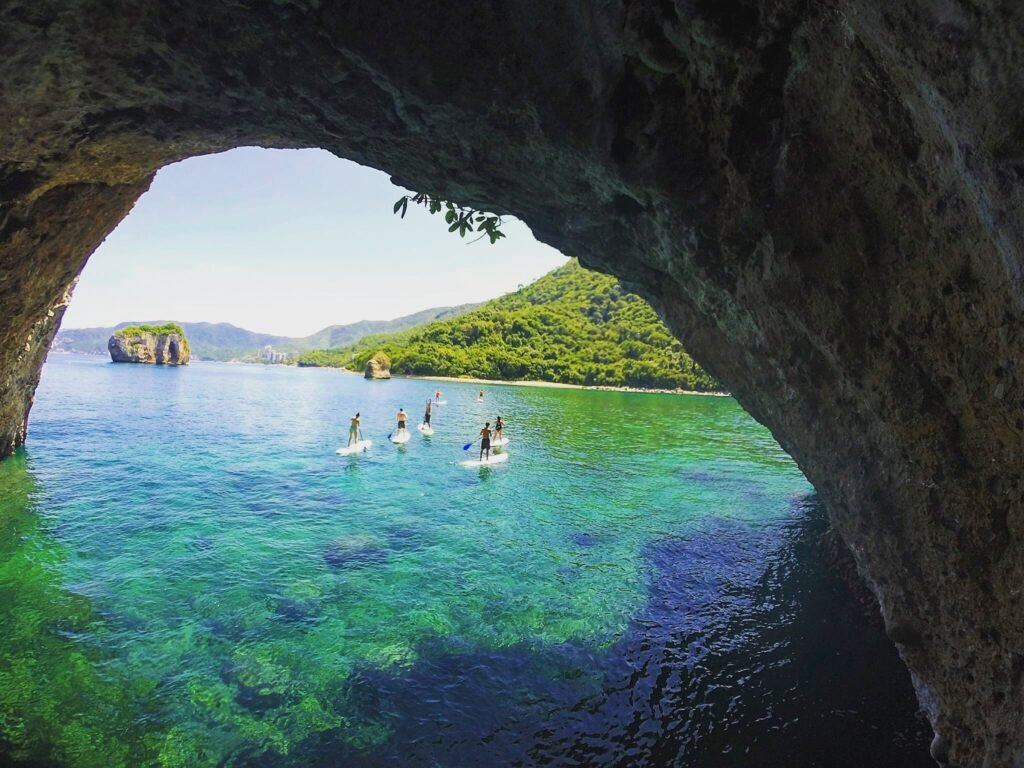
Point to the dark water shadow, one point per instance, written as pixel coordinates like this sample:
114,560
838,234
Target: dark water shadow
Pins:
750,653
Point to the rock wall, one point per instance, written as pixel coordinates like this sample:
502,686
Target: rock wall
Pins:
146,347
377,369
821,199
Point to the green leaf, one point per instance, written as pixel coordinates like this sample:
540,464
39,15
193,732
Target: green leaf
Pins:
450,216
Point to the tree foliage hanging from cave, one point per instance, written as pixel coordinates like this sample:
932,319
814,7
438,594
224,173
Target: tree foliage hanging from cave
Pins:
459,218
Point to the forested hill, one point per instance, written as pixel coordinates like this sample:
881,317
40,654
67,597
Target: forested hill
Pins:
223,341
572,326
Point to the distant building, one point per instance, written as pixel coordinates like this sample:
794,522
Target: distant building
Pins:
270,356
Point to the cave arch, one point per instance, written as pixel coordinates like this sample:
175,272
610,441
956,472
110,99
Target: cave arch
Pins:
822,202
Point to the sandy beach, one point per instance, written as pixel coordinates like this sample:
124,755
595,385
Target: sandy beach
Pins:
555,385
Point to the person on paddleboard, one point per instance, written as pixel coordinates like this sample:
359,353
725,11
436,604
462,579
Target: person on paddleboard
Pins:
485,441
481,397
354,432
437,395
426,414
402,417
499,425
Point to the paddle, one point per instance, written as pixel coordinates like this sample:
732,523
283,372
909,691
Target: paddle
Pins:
467,445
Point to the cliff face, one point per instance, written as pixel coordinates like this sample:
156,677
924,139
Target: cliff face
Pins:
822,200
377,369
147,347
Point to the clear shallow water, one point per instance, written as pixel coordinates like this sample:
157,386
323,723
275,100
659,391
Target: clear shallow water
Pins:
190,576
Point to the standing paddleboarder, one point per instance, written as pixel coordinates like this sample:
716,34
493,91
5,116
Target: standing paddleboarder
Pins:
499,425
485,441
402,418
426,414
354,432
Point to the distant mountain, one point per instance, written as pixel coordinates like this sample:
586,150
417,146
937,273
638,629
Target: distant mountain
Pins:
572,326
223,341
343,335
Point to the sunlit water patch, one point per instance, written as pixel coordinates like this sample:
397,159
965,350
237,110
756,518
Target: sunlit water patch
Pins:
190,576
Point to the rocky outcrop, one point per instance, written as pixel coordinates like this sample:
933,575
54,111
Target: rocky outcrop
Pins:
149,347
822,200
378,367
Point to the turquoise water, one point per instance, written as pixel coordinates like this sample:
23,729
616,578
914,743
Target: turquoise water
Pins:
190,576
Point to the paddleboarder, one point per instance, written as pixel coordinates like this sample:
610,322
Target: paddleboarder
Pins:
485,441
402,418
354,432
437,396
426,414
499,425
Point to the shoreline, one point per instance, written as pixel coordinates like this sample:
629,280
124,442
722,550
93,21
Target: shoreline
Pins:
457,379
557,385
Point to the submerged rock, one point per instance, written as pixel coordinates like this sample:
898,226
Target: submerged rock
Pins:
160,345
293,611
584,539
354,552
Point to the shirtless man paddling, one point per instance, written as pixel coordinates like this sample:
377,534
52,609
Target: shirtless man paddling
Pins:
485,441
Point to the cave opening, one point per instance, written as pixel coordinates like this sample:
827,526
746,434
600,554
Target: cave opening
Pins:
144,489
821,202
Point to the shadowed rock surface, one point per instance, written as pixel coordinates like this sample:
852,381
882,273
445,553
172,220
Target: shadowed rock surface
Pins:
821,200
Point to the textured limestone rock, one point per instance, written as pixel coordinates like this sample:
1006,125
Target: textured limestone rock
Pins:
377,368
821,199
147,347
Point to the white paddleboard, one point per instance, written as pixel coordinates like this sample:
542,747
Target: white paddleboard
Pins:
352,450
499,443
425,429
496,458
439,402
401,437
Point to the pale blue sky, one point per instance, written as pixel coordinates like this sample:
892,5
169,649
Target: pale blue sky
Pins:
287,242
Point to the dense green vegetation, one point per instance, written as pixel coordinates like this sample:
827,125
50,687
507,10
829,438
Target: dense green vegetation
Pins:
156,330
572,326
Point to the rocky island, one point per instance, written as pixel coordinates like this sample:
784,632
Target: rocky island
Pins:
153,344
378,367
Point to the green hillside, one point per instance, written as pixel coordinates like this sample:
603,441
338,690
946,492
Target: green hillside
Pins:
223,341
156,330
572,326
